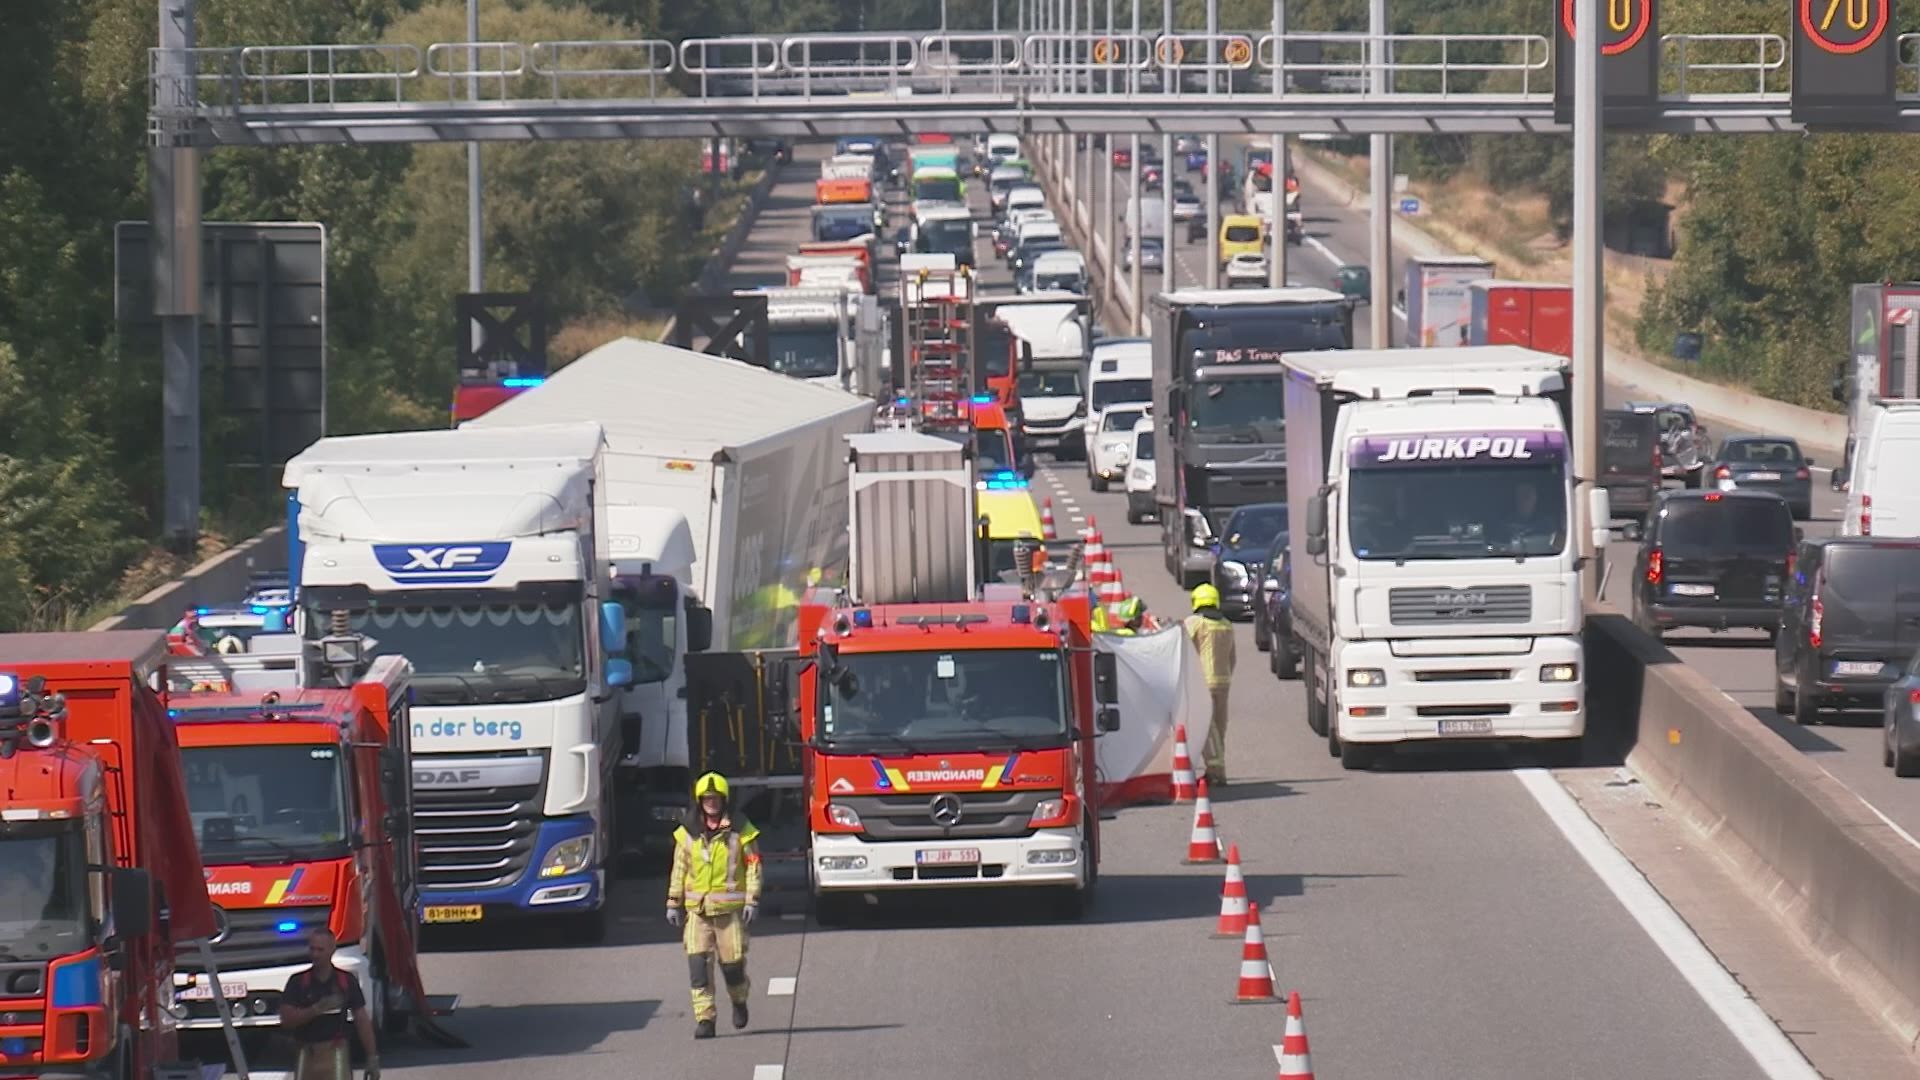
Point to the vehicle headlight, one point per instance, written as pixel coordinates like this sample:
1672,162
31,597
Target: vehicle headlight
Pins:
1047,810
1559,672
843,816
567,857
1366,677
1235,573
1201,543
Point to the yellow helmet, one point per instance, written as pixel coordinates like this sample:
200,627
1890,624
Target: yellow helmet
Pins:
711,784
1131,608
1205,595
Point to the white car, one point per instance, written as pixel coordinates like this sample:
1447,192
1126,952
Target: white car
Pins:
1110,443
1141,476
1247,270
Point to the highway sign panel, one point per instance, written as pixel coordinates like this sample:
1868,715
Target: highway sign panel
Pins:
1629,61
1410,206
1844,57
1238,51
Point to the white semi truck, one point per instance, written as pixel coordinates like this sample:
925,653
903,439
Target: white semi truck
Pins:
828,336
1436,573
726,499
481,557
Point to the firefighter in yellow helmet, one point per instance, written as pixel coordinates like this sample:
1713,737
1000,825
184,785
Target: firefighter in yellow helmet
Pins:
1212,637
713,892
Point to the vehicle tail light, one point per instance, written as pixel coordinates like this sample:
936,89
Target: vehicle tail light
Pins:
1866,515
1913,697
1712,496
1814,620
1723,473
1658,461
1656,566
1792,557
1801,473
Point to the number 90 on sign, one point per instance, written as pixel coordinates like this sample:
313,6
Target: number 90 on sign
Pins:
1239,51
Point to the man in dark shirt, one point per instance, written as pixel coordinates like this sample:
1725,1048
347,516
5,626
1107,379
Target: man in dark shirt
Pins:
314,1012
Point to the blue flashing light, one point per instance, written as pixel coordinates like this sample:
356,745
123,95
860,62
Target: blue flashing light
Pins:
9,692
287,927
13,1046
983,399
203,611
77,985
1022,614
863,619
901,401
522,383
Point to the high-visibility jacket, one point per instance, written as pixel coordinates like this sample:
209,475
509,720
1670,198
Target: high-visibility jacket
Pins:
717,872
1212,637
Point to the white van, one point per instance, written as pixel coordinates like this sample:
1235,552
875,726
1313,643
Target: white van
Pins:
1141,476
1884,496
1120,372
1020,198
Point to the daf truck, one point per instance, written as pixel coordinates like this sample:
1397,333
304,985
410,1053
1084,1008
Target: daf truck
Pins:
1219,407
726,501
1435,568
480,556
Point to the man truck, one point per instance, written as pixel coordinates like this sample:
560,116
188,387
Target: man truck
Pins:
725,502
480,556
1217,395
1436,573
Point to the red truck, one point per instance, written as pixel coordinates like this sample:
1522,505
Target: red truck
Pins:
303,803
102,880
1530,314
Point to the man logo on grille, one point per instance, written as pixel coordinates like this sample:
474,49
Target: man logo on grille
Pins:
945,810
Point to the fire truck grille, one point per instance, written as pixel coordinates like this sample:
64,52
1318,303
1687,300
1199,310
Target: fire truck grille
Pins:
475,839
983,815
257,938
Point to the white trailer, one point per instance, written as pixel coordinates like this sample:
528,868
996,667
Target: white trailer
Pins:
912,518
726,500
829,336
481,557
1439,298
1436,571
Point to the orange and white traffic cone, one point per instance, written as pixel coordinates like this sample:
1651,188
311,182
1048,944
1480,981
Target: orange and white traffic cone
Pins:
1203,846
1183,782
1233,898
1296,1063
1256,973
1046,520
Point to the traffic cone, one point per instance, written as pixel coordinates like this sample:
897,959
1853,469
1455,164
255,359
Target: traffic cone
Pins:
1256,973
1296,1063
1046,520
1233,898
1203,846
1183,784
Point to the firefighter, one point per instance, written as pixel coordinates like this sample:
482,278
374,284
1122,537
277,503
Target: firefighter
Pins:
1132,614
1212,637
318,1008
714,892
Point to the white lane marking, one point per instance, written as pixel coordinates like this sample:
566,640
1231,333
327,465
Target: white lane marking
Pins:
1904,834
1776,1055
781,986
1328,254
1076,517
793,916
769,1072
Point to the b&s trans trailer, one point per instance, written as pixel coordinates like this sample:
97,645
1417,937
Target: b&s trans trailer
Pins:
480,555
1436,581
726,499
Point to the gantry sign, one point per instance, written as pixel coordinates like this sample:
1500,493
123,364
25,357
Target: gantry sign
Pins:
1630,48
1844,54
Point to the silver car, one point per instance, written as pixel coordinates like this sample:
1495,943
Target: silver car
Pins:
1684,448
1901,743
1153,255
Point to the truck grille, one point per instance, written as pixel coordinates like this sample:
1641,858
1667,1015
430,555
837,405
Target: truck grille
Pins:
983,815
248,938
479,838
1474,604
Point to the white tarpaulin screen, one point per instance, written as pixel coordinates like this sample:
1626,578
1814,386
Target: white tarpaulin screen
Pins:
1160,685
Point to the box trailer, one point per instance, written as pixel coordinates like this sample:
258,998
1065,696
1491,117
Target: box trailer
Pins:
1530,314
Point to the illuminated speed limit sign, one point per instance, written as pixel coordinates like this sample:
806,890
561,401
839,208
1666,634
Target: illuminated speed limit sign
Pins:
1629,61
1104,51
1844,56
1238,52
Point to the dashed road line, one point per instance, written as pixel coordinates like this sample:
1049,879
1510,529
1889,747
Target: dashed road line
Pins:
781,986
769,1072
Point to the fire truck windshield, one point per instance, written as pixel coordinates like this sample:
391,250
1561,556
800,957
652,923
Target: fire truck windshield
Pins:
43,897
934,700
265,804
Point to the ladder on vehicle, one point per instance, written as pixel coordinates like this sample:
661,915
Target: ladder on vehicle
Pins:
937,306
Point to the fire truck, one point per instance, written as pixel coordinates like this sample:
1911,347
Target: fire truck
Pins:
103,883
303,801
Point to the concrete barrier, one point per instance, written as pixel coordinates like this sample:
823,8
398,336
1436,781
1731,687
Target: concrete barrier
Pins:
223,578
1118,308
1843,879
1818,431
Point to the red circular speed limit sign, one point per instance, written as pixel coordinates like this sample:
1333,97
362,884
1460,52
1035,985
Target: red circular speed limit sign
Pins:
1104,51
1170,52
1844,26
1627,23
1238,51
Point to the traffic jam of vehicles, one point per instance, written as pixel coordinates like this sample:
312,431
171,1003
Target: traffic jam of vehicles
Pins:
487,680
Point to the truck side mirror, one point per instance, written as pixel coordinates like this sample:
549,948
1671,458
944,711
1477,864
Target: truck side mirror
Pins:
1600,516
1107,719
1026,356
132,893
699,627
613,628
1106,678
619,672
1317,519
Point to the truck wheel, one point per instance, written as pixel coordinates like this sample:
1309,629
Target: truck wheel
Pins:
1805,712
1357,757
1134,517
1098,482
1310,681
1782,698
1285,659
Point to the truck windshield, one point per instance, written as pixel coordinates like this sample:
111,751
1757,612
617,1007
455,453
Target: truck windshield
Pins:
937,189
1108,391
995,351
480,653
804,352
43,897
946,236
652,605
1049,384
1243,410
1457,512
988,697
265,804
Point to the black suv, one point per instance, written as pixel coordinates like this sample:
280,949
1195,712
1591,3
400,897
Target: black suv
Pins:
1851,623
1716,559
1629,461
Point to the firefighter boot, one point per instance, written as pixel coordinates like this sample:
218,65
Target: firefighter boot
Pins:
735,976
703,1029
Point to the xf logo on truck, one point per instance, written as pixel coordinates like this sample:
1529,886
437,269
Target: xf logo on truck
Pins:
442,564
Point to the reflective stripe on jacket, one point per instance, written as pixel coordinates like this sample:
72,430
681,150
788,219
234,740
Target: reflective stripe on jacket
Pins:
715,872
1212,637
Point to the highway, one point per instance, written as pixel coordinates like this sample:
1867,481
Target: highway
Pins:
1740,662
1434,919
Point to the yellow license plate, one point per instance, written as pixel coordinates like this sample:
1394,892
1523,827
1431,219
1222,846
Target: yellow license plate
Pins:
446,913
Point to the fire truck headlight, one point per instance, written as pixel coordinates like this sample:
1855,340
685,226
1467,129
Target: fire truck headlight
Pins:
1047,810
567,857
843,816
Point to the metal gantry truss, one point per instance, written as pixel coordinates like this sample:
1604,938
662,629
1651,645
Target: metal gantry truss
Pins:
887,83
